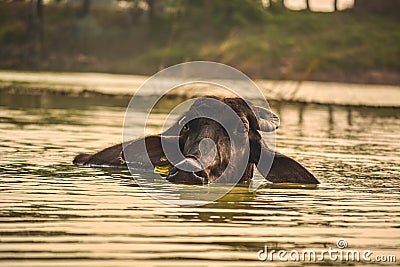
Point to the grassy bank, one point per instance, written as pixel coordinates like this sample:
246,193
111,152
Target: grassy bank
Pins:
293,45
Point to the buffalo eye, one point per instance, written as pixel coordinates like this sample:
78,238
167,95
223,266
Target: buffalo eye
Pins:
185,128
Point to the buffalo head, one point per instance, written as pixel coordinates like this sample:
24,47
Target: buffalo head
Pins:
216,140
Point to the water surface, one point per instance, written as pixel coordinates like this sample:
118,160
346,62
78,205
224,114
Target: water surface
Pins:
56,214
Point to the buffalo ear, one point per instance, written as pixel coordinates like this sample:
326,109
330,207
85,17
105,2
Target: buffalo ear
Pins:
267,120
283,168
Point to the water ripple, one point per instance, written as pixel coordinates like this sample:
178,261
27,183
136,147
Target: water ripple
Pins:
53,213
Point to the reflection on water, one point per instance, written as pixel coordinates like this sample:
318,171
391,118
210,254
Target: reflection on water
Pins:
53,213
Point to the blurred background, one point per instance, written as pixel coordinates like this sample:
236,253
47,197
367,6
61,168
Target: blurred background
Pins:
323,40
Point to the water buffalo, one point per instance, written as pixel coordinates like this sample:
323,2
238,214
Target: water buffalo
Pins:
188,132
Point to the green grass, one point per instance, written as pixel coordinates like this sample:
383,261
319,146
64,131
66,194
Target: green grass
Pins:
302,45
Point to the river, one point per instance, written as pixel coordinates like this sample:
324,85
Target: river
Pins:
56,214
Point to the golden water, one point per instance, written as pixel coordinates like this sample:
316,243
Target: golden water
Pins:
55,214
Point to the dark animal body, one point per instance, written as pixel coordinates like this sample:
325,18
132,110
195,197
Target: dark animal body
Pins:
206,167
